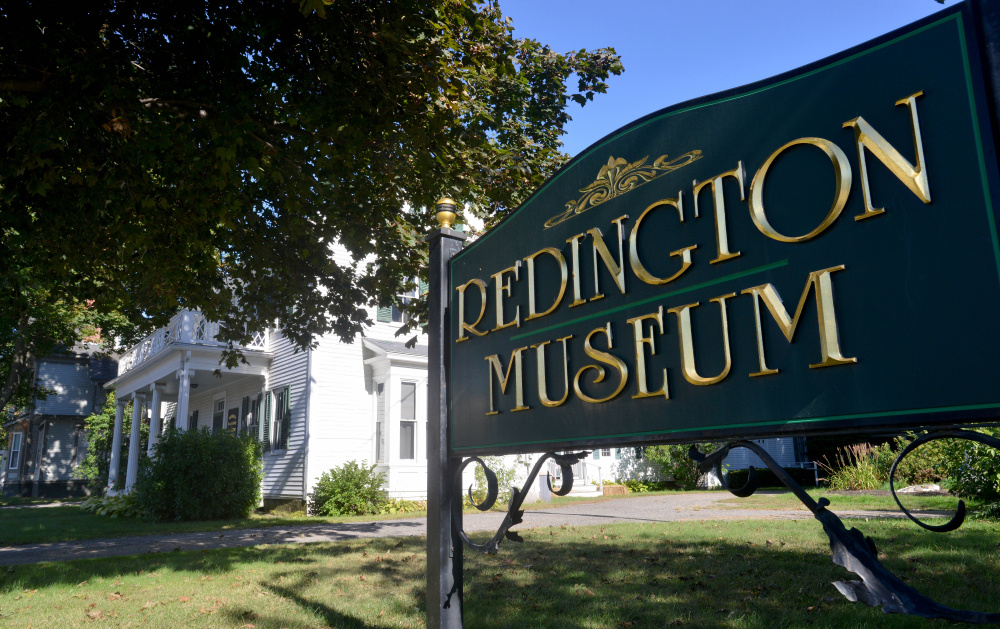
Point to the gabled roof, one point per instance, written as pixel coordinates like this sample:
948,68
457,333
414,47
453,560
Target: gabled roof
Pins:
396,347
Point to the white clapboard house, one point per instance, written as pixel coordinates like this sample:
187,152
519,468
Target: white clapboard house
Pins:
313,409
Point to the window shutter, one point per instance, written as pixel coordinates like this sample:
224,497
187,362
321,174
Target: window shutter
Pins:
286,417
265,423
618,453
384,314
193,423
597,453
243,416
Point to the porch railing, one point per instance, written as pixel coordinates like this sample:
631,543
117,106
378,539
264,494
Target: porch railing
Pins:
187,326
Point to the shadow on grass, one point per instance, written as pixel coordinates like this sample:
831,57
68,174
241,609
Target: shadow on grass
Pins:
753,573
56,524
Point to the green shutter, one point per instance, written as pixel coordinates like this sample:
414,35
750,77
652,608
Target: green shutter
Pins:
193,423
618,453
384,314
286,417
265,423
597,453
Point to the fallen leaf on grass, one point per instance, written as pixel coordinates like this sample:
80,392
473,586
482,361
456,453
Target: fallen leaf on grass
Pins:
208,610
95,614
184,599
114,596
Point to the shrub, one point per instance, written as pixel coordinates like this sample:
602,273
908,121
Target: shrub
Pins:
505,480
351,489
641,486
924,465
197,475
860,466
674,461
974,470
120,506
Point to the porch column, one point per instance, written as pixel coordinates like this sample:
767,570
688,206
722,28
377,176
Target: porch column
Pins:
155,427
183,397
132,471
116,447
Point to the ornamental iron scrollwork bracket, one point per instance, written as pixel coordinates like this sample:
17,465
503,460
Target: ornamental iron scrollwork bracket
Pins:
851,548
517,496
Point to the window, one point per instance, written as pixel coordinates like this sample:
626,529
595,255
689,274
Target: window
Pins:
282,417
379,422
396,313
219,414
15,450
408,420
605,451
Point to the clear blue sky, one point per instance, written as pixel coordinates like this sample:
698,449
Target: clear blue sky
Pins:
676,50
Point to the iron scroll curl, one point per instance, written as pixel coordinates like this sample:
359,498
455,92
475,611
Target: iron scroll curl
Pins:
517,496
959,518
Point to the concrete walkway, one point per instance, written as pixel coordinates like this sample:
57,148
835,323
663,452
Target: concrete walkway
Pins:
664,508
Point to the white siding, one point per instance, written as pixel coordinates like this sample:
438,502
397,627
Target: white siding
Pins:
284,471
73,389
342,408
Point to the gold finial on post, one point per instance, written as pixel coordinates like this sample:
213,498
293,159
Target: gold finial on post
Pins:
445,213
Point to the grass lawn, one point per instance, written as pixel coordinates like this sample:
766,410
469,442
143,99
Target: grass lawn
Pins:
743,574
784,499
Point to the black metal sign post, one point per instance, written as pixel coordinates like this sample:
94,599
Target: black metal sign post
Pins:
590,316
444,502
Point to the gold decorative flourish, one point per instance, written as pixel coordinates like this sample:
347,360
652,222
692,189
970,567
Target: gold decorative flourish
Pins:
617,177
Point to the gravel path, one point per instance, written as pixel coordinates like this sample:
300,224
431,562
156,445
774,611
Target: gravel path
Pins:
665,508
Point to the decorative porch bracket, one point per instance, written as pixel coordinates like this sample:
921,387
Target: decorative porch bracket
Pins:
851,548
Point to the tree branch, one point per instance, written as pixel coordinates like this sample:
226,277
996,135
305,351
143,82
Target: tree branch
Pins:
20,363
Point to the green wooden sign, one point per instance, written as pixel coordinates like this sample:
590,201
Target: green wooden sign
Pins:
812,253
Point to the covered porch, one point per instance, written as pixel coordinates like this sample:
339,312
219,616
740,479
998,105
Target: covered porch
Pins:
173,375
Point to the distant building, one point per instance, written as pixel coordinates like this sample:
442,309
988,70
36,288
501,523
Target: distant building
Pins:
46,441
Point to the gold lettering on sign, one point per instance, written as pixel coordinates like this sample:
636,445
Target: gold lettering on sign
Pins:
914,178
829,338
564,276
496,369
719,205
504,287
607,359
619,177
633,248
640,357
574,256
842,172
467,327
617,269
687,342
543,391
